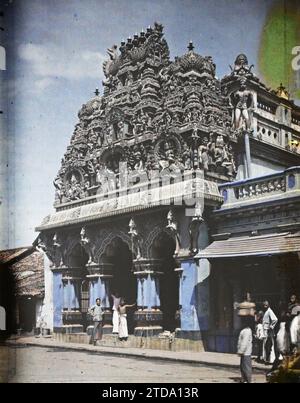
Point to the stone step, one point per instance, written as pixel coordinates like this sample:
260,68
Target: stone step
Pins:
154,343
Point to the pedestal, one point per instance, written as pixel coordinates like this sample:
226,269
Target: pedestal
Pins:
148,316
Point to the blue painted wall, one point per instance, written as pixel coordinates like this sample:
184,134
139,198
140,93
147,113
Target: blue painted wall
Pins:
57,299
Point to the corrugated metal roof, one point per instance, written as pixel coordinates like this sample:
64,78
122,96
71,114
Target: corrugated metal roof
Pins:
263,245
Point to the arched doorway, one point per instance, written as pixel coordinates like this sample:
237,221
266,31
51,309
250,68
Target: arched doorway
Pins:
163,248
123,280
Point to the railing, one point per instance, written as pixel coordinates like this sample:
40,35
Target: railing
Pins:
268,133
277,185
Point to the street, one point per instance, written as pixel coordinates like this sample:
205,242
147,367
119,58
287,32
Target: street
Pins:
41,364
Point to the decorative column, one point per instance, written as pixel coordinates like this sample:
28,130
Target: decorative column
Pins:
67,317
57,299
248,154
148,316
99,277
71,314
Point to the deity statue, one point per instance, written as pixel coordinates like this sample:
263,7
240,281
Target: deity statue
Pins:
113,55
58,184
203,154
135,239
188,117
173,227
187,157
121,126
110,176
60,257
87,245
241,67
211,146
194,229
138,166
219,150
243,105
228,161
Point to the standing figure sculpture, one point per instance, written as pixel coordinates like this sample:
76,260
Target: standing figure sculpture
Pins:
242,107
173,227
135,239
194,229
88,246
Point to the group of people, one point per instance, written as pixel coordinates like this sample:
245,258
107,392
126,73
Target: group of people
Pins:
273,343
119,318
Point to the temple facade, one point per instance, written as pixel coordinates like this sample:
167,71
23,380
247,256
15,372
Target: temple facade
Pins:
180,191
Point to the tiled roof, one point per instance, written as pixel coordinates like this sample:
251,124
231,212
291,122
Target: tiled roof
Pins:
6,256
27,265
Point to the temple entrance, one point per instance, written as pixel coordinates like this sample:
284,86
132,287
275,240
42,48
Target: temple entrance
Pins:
123,281
163,248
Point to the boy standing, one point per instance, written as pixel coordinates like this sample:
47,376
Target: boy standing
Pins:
244,350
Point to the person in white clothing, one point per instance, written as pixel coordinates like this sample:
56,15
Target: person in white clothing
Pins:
259,335
282,338
123,329
269,322
295,332
116,316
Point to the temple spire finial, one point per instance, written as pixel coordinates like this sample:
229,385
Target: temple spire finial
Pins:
191,46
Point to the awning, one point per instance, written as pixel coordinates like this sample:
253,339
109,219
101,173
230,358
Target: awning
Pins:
264,245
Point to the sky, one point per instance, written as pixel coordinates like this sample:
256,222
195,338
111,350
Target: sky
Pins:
54,63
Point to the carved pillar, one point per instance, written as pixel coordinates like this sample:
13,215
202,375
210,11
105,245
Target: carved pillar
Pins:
148,316
67,317
99,278
57,299
248,154
179,271
71,314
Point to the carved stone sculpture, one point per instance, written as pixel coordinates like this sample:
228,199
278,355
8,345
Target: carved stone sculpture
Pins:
135,239
243,105
88,246
172,226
